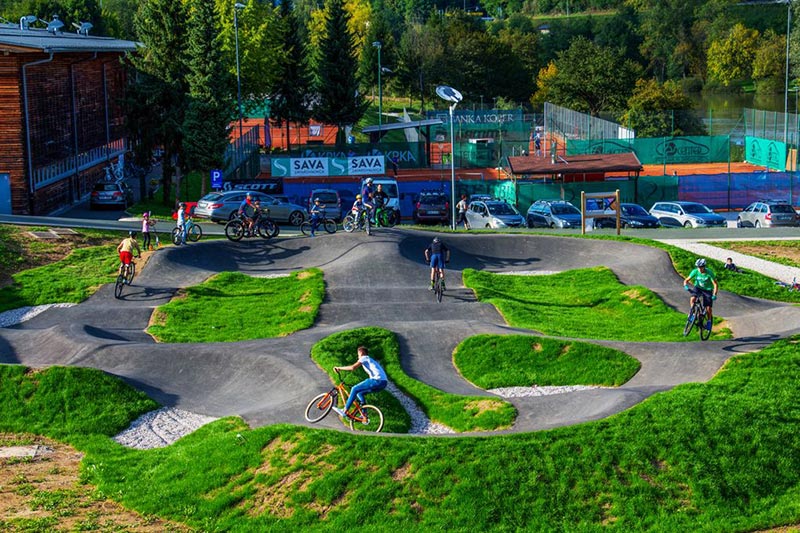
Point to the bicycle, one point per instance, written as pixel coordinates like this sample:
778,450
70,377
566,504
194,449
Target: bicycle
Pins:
193,232
793,286
125,277
351,223
361,417
697,316
238,228
387,217
328,223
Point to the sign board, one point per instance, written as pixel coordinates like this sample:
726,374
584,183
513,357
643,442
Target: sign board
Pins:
216,179
315,130
765,152
297,167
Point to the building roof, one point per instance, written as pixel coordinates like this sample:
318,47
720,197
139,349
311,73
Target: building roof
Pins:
15,40
575,164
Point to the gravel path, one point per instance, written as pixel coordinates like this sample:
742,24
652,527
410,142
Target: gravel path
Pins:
15,316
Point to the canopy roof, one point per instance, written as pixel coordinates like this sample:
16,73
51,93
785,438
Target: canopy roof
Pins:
575,164
13,39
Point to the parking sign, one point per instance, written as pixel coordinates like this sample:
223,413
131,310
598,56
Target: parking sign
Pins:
216,179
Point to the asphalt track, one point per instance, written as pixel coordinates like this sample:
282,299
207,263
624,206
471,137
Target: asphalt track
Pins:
372,281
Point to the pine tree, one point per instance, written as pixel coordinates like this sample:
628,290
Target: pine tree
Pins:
205,127
290,100
340,102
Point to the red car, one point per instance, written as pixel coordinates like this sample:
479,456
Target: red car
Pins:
189,210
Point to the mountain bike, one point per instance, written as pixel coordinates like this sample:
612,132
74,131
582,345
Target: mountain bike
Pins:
361,417
697,316
328,223
238,228
438,289
193,232
125,277
356,220
387,217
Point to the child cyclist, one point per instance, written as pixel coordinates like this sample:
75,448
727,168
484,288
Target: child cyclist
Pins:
705,287
125,250
376,379
437,254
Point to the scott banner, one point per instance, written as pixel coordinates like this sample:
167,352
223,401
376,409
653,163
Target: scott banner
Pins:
765,153
299,167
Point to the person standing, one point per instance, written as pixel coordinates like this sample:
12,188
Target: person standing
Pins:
182,222
461,206
146,226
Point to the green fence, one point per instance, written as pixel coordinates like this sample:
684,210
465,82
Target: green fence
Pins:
660,150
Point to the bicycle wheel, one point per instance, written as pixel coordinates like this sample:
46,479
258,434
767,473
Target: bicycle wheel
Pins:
393,218
131,272
330,225
349,224
118,286
234,230
176,236
373,420
195,233
690,320
274,228
305,227
367,225
437,290
701,325
319,407
267,229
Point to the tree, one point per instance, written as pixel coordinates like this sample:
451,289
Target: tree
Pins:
340,101
205,127
590,78
769,65
420,51
161,90
731,59
656,109
291,95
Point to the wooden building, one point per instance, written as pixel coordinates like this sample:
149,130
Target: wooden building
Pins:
61,119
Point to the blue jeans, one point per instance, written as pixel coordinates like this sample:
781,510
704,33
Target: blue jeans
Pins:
366,386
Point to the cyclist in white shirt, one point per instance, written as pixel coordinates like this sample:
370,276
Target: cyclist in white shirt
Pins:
375,382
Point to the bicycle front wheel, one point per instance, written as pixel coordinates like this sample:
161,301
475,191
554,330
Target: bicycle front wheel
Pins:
195,233
267,229
367,225
131,272
437,289
305,227
319,407
118,286
701,324
372,420
690,320
330,225
349,223
176,236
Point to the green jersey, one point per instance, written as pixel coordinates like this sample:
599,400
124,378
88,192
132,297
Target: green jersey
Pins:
703,280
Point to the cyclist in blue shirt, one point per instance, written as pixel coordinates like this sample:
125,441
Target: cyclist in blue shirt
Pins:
705,286
437,253
247,210
367,197
316,212
376,379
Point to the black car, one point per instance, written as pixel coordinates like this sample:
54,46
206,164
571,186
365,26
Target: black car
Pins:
110,193
630,216
431,207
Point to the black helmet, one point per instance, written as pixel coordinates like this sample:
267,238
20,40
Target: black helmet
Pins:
436,239
131,233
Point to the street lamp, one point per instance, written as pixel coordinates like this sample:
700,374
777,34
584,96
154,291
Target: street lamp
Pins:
236,7
454,97
377,44
786,81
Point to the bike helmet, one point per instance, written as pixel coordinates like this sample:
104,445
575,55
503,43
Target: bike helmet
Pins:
358,197
131,234
316,199
700,263
436,239
369,181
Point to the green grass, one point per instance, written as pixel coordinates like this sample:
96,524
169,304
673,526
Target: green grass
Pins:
794,246
71,280
234,307
190,192
587,303
493,361
461,413
719,456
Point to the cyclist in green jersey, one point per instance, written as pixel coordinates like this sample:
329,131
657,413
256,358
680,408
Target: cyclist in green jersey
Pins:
705,286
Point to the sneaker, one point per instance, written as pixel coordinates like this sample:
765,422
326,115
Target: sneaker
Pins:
444,288
312,235
708,325
339,412
431,287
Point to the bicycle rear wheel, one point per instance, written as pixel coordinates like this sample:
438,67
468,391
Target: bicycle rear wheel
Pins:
373,420
118,286
690,320
195,233
319,407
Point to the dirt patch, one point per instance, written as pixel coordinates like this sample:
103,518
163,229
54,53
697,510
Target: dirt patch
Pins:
482,406
304,275
45,490
536,347
635,294
402,473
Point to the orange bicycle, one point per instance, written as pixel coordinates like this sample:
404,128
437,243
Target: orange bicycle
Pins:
361,417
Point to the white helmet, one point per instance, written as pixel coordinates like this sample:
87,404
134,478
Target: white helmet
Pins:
369,181
700,263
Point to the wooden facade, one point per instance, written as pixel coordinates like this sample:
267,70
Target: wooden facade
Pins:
61,122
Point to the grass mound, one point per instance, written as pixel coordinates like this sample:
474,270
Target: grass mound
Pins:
234,307
493,361
586,303
462,413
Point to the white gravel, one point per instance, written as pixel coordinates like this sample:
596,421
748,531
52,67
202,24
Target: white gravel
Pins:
420,423
521,392
160,428
15,316
529,273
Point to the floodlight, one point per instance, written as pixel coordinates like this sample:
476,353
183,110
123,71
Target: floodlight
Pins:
449,94
54,25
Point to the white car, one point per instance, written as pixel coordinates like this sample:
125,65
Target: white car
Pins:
493,214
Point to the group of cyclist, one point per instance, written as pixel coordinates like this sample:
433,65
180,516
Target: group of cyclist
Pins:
369,202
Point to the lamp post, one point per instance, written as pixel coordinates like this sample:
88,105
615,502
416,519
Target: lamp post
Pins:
786,81
454,97
377,44
236,7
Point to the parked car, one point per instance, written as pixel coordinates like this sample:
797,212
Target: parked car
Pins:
431,206
190,207
330,199
110,193
553,214
687,214
630,216
480,197
221,206
766,214
493,214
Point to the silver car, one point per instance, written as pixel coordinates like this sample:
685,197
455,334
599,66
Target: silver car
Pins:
687,214
493,214
221,206
766,214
